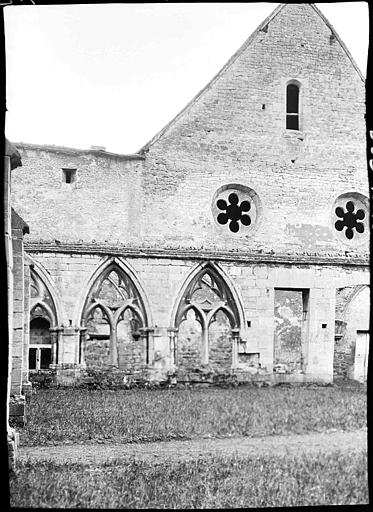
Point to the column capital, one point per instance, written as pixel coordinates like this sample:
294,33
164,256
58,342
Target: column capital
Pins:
144,330
172,330
55,329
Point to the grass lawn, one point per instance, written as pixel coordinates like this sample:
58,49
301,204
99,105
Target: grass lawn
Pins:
58,416
209,482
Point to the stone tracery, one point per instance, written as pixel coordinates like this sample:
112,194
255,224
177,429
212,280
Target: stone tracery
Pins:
115,321
207,300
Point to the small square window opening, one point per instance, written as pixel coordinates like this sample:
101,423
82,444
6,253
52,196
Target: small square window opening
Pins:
68,175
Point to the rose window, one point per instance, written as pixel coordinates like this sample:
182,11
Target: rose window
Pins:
236,209
234,212
349,219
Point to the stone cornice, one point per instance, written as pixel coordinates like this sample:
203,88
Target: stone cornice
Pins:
196,254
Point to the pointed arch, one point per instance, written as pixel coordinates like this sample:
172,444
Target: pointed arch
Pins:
104,270
207,291
210,271
43,292
353,296
115,290
42,310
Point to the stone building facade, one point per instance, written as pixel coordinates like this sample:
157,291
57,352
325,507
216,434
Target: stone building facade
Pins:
236,242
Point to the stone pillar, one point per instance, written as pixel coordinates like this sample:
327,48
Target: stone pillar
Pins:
26,384
235,337
147,337
205,345
172,334
11,161
18,307
69,348
54,342
82,345
9,263
320,331
113,346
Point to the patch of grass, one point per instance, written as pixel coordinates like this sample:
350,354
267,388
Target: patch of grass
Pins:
57,416
207,482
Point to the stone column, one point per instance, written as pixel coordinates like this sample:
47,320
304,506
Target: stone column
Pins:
147,337
82,345
172,334
113,346
235,337
54,342
205,345
26,385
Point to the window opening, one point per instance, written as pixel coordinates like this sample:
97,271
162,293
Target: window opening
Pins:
292,107
69,175
208,323
40,348
115,320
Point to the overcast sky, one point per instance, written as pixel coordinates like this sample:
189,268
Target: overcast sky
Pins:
114,75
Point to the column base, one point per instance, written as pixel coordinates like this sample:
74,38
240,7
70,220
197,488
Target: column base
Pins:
17,410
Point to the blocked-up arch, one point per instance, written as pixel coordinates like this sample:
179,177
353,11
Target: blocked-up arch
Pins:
213,300
114,320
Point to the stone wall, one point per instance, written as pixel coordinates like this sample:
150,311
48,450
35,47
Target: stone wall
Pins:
224,184
161,282
19,336
233,135
353,310
103,203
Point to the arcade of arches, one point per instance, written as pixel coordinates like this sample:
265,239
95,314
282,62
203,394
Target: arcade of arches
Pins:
208,328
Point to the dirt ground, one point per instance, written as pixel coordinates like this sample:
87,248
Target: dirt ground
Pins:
294,445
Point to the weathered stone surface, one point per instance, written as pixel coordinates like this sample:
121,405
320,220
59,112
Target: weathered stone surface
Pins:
154,215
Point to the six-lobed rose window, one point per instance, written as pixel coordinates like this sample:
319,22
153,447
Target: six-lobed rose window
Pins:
236,209
350,218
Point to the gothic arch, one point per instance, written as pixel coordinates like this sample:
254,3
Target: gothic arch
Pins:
126,269
42,291
114,319
209,293
44,319
356,291
223,279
